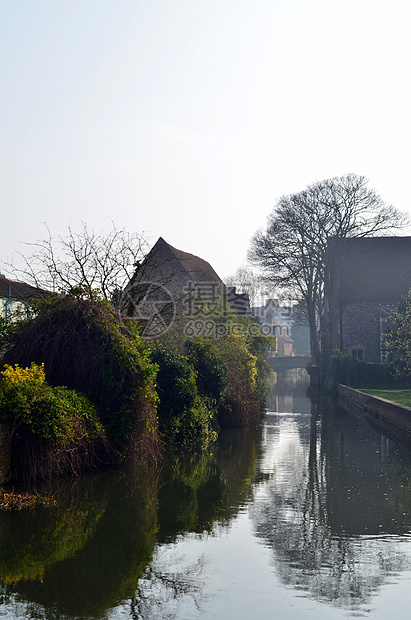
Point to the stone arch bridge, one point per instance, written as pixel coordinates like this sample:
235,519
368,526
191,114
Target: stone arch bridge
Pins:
288,362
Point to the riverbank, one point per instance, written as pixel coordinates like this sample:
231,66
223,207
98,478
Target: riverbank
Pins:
395,417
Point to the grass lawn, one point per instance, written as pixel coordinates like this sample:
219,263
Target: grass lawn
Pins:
397,396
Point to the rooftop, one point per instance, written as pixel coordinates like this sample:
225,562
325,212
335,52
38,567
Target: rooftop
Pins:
371,267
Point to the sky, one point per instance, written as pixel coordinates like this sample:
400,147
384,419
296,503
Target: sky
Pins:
189,119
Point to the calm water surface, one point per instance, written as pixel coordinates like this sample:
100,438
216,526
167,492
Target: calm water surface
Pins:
308,517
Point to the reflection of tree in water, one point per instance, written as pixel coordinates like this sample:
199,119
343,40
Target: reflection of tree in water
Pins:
197,494
103,546
197,489
109,550
161,590
32,541
292,515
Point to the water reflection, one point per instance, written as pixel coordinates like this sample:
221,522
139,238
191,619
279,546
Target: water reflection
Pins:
337,510
289,392
96,549
325,495
81,557
197,490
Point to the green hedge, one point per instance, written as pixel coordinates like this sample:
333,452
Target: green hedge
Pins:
357,373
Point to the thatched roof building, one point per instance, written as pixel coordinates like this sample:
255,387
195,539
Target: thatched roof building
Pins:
171,282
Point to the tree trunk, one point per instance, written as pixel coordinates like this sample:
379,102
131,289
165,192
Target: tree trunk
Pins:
314,337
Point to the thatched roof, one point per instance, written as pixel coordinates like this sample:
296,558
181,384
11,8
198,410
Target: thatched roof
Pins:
179,273
197,268
174,270
164,259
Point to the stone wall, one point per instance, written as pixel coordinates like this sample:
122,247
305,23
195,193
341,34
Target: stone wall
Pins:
393,414
361,326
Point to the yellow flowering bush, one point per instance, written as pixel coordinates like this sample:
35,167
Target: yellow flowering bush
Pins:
54,429
13,375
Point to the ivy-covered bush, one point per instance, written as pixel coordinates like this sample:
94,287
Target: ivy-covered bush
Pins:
242,405
184,416
212,371
232,372
54,430
258,344
84,346
181,390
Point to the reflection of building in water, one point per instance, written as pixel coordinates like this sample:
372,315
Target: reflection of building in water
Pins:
282,403
291,378
360,466
335,487
289,392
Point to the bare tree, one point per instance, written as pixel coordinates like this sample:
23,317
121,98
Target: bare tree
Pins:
247,281
292,249
86,261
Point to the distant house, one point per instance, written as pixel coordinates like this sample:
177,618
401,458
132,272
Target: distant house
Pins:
277,321
15,297
365,279
170,282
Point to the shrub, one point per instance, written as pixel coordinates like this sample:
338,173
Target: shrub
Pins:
398,337
231,371
83,346
54,430
258,345
350,371
241,405
22,376
184,416
212,371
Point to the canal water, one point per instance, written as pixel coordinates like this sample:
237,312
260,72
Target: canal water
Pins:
308,517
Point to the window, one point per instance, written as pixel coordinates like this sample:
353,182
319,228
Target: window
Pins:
357,352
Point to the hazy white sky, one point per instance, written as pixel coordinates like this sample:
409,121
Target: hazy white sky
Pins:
189,118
